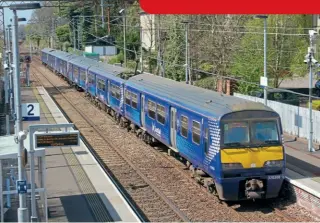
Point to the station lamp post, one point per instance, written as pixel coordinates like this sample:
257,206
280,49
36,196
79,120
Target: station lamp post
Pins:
265,53
20,135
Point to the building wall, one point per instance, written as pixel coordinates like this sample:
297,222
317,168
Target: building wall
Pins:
316,22
147,22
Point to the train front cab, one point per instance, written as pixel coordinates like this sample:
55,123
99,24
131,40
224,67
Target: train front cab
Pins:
252,156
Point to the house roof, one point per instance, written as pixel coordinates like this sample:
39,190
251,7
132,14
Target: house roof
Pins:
297,82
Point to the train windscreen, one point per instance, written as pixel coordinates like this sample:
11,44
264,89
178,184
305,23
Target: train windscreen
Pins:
250,133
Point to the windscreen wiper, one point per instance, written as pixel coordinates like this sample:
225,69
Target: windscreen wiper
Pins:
272,141
235,144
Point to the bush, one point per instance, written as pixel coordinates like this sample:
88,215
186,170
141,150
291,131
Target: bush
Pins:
315,105
208,83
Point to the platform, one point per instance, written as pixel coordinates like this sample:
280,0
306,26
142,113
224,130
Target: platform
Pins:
78,190
303,171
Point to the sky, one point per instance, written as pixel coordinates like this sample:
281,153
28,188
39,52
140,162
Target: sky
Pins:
21,14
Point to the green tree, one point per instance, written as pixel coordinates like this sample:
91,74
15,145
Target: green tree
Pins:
285,51
63,33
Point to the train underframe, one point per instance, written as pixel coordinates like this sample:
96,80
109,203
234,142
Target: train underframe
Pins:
248,188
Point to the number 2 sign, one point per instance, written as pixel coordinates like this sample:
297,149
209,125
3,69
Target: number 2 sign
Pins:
30,112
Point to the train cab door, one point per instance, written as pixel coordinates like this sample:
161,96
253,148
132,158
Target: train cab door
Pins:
143,115
173,127
206,143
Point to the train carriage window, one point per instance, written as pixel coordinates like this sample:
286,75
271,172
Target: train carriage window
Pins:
134,102
128,97
75,70
115,91
152,109
161,114
118,93
82,75
196,132
101,85
90,79
184,126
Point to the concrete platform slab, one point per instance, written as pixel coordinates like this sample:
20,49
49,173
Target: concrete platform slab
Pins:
116,205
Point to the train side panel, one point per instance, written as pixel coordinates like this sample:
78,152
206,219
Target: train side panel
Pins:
83,77
91,83
157,121
132,105
75,74
116,96
102,90
70,72
189,130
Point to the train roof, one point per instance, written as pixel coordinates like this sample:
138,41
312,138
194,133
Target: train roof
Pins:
83,62
62,54
207,102
107,68
48,50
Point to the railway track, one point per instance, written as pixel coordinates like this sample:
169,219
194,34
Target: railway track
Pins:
160,186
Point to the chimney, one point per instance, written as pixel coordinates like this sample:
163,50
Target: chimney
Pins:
220,88
228,90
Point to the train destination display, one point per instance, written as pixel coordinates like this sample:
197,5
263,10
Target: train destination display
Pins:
56,139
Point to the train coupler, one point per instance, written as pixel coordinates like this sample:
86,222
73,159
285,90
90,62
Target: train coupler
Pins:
254,189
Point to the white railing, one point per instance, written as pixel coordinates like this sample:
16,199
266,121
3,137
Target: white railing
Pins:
295,120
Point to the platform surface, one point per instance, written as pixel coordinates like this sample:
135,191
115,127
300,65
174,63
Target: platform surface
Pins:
78,190
303,167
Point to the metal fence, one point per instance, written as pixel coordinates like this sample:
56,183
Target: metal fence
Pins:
295,120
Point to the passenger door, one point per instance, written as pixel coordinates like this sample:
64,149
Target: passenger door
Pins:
143,117
173,127
206,144
108,92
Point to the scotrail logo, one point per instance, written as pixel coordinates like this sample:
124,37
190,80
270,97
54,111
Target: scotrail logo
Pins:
156,130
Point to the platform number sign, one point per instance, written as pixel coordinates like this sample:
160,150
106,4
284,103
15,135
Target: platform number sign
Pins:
22,186
30,112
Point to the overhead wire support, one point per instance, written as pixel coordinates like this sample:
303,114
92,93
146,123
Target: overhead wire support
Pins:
214,74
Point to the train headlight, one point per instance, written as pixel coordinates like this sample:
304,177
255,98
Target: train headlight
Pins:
231,166
274,163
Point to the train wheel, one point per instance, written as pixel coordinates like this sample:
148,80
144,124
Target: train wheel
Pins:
212,189
121,123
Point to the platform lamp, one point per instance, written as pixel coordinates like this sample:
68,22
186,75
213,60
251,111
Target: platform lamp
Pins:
20,135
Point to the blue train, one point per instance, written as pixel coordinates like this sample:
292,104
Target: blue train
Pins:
233,146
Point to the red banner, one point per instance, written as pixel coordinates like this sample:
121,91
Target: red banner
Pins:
230,7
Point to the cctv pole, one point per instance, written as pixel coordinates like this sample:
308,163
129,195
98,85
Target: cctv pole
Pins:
141,50
30,50
74,34
6,76
265,60
102,13
124,38
9,52
22,210
310,142
186,50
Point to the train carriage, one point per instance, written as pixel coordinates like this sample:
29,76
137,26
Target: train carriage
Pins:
45,55
103,74
234,146
80,66
62,59
234,141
